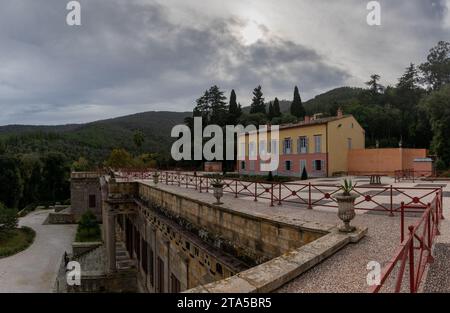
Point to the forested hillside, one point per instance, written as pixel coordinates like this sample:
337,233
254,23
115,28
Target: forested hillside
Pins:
94,141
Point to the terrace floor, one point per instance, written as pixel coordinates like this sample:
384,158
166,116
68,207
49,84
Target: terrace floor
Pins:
345,271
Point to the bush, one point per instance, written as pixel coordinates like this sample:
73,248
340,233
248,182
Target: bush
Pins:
304,174
8,220
88,228
270,176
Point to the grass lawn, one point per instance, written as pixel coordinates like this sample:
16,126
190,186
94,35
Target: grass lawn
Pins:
16,241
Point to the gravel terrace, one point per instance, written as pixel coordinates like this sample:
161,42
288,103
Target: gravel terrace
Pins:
345,271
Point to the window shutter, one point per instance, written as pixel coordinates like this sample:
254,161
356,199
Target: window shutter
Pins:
314,165
322,165
307,144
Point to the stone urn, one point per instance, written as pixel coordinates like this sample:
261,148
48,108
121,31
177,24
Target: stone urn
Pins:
346,210
156,178
217,190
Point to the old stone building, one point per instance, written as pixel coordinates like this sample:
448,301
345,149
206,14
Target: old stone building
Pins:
85,194
174,242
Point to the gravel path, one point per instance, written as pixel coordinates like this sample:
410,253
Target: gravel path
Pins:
35,269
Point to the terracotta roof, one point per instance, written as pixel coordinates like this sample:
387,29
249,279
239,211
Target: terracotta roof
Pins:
319,121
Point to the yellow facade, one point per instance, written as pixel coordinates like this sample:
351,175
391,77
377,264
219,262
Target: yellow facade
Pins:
339,132
337,136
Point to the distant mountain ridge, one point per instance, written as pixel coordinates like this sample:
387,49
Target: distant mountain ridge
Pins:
95,140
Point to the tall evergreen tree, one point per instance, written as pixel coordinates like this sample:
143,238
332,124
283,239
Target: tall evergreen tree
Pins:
270,115
276,108
374,85
436,70
234,110
297,108
211,107
218,105
258,105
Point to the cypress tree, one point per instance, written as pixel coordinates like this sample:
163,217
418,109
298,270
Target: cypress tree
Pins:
276,108
234,110
271,112
297,108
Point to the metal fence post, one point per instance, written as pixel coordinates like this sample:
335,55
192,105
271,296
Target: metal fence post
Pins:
411,261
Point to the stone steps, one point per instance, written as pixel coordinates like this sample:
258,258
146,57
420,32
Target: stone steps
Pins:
123,260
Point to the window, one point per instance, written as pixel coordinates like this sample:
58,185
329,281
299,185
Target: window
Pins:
287,165
144,260
92,201
318,143
287,146
243,165
274,147
160,265
302,165
318,165
349,143
252,150
242,151
262,148
252,165
174,284
302,145
137,241
152,268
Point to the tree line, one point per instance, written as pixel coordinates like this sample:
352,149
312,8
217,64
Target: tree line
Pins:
415,112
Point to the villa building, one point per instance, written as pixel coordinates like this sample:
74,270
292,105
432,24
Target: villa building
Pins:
320,145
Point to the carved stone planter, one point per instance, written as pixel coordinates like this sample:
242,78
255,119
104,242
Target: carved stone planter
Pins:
156,178
218,192
346,211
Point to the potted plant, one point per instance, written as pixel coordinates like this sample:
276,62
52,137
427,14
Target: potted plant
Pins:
156,178
346,206
217,185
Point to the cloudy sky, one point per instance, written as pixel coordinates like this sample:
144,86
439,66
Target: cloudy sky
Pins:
143,55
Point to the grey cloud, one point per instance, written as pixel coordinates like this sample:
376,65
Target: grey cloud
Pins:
131,56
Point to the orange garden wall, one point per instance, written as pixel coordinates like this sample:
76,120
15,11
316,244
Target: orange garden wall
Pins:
384,160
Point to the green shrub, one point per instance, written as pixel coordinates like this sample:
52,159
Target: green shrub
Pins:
304,174
8,220
17,240
88,228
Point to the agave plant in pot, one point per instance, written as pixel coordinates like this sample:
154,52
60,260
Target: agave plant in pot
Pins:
346,206
217,185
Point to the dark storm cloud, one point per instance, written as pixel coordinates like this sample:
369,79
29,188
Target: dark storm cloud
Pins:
135,55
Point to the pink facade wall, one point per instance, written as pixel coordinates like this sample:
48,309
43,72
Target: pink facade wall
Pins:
295,159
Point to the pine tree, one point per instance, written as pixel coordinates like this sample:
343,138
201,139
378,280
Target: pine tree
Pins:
218,105
276,108
258,105
234,110
297,108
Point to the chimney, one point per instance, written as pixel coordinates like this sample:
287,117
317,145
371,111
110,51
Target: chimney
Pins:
340,113
307,119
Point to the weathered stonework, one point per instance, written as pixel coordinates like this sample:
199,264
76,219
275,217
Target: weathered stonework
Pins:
85,194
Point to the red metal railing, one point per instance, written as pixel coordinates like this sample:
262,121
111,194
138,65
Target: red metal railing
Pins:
371,198
415,251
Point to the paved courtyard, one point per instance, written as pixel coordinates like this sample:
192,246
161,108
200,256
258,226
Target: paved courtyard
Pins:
35,269
345,271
